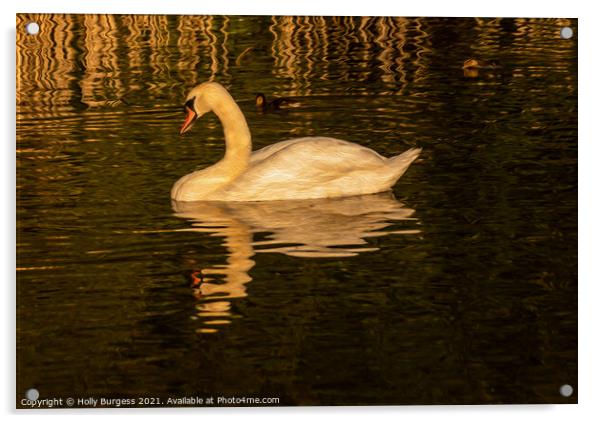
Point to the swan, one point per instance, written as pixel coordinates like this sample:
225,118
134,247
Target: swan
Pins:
301,168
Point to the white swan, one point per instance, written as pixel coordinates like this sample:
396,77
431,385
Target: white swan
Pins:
302,168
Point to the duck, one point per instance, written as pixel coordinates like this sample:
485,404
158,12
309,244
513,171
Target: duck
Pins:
276,104
471,67
473,63
300,168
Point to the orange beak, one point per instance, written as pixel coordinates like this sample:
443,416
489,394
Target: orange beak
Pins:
189,121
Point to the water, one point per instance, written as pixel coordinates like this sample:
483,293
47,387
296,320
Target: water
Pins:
458,287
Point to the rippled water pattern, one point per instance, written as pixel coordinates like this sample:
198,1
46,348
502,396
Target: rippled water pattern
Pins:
459,287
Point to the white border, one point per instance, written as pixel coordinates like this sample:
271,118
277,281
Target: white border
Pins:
590,179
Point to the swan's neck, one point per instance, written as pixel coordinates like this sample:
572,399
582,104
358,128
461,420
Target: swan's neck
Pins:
237,135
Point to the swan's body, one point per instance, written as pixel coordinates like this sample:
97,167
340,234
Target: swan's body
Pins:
302,168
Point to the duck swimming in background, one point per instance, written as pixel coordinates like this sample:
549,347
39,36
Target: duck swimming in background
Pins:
480,64
472,66
276,104
301,168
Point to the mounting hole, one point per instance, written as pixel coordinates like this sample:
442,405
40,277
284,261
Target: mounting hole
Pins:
32,394
32,28
566,33
566,390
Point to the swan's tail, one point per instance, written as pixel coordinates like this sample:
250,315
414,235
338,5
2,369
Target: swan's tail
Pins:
400,163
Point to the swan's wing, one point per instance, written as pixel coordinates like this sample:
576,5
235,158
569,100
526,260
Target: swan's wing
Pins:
305,168
317,151
261,154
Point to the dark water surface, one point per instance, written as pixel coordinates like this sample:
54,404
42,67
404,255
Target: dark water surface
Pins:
459,287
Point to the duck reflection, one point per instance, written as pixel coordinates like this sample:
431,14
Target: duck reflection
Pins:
326,228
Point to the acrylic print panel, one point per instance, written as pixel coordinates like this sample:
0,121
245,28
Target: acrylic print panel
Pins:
363,271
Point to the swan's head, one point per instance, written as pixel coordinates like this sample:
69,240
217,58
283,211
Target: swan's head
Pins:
202,99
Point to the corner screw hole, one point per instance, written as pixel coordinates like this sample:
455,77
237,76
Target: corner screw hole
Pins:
566,33
32,394
32,28
566,390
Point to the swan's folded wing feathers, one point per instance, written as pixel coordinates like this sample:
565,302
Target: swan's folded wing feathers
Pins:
316,153
311,166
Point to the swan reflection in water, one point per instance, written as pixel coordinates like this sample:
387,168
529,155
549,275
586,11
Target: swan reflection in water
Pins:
335,227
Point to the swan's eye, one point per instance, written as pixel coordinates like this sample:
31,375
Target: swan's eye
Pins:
189,105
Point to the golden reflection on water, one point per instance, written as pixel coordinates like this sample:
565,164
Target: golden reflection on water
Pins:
327,228
79,59
101,61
